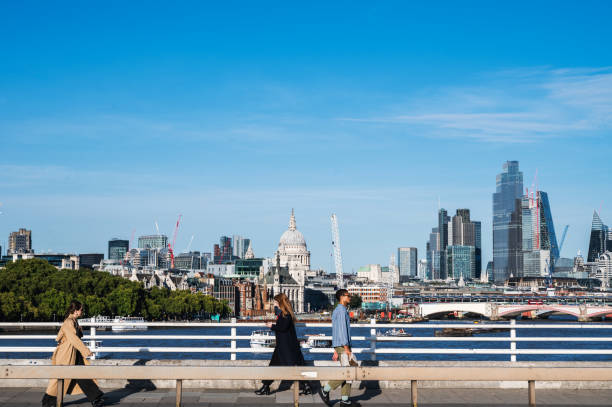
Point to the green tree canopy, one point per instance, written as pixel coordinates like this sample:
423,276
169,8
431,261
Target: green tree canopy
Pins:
34,290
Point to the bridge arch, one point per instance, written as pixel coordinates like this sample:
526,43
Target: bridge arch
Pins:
432,309
544,309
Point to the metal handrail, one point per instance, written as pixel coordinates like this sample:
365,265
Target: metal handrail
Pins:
373,339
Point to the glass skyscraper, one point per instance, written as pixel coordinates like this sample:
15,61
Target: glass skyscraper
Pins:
507,247
443,220
407,262
547,237
600,239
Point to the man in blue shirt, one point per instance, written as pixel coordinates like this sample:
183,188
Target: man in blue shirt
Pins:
341,341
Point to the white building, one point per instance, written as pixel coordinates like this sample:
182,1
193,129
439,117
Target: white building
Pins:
292,263
422,269
370,273
221,270
604,269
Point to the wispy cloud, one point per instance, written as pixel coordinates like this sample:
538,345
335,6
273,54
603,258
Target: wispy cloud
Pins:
516,106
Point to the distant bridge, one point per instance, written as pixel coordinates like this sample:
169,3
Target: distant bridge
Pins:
494,311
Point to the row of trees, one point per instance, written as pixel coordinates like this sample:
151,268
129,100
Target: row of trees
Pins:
34,290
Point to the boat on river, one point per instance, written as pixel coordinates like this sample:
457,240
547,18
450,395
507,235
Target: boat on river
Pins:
263,339
394,332
129,324
317,341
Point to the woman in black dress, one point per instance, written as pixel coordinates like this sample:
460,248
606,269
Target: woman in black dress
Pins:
287,351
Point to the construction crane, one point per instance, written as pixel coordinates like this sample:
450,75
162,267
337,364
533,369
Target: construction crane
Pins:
171,246
337,252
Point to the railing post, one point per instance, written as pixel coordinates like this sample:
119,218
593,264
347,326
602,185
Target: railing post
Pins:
92,332
296,393
60,393
413,392
233,343
179,392
513,343
531,386
373,339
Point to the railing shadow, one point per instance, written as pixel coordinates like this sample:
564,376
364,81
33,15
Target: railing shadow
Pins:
372,387
114,397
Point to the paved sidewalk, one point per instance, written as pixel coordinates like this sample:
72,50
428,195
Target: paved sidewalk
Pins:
22,397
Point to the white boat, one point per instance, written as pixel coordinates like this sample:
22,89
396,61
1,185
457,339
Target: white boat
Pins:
98,319
263,339
129,324
317,341
394,332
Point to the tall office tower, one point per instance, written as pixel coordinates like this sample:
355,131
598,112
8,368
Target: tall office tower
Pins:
546,238
20,242
153,242
462,234
443,220
538,238
407,262
117,248
241,245
224,250
599,239
461,231
478,248
433,255
507,250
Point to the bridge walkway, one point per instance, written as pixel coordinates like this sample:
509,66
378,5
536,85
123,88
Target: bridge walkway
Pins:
428,397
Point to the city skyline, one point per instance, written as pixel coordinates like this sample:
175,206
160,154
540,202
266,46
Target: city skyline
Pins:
233,117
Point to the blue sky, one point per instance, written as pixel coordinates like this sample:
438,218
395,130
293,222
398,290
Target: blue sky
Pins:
115,115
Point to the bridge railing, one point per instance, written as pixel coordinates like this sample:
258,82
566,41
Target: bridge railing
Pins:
370,351
412,374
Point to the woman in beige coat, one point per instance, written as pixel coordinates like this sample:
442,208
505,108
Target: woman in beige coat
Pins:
72,351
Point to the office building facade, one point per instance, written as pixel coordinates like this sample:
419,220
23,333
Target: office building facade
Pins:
117,248
88,260
240,246
507,247
224,251
153,242
407,262
20,242
460,262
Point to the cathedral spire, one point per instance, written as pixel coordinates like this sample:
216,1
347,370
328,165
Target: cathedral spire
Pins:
292,225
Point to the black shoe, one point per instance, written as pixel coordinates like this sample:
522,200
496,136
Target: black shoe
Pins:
324,396
99,401
351,403
264,391
48,401
305,389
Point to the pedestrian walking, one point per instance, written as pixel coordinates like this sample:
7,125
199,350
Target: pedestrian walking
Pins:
287,351
72,351
341,341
